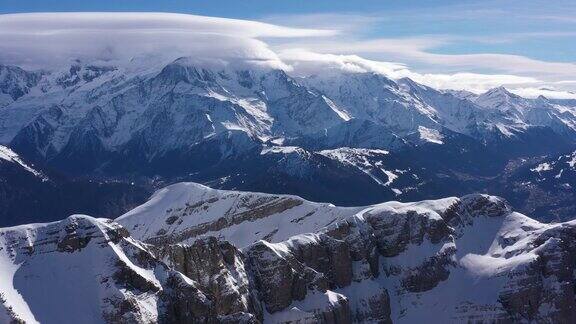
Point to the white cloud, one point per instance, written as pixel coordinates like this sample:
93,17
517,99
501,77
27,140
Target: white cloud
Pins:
548,93
500,62
420,50
473,82
306,62
43,39
49,23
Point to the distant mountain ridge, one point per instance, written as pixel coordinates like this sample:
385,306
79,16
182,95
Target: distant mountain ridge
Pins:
29,194
321,137
54,116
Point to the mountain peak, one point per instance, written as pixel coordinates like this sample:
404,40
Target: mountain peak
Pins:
501,90
499,97
542,99
462,94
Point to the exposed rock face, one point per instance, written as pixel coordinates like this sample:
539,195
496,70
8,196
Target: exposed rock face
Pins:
89,270
16,82
261,208
543,289
468,259
262,279
306,270
185,303
218,269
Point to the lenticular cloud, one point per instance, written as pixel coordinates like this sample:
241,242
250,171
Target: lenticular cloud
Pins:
45,39
53,40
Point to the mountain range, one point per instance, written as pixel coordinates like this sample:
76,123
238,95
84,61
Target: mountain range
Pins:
339,137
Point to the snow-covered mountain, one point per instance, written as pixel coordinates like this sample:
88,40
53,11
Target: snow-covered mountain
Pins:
15,83
87,270
96,114
460,259
185,211
530,112
175,108
254,128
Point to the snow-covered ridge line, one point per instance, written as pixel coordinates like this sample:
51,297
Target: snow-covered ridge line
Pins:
185,211
262,102
8,155
390,262
223,124
452,246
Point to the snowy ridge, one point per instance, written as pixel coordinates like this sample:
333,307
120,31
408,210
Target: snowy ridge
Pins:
63,260
185,211
8,155
521,112
461,259
491,253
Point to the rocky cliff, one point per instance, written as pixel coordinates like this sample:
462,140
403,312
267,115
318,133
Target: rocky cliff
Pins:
451,260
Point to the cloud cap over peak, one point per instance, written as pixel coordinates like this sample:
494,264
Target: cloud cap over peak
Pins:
53,40
48,39
54,22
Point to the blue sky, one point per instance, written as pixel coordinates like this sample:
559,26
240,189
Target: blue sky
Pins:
237,9
531,38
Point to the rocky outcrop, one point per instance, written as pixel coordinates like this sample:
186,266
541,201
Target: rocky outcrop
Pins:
183,302
468,259
218,269
91,270
543,289
260,208
262,279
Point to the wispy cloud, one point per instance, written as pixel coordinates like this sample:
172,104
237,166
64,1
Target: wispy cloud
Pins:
421,50
306,63
311,44
458,54
344,23
556,18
